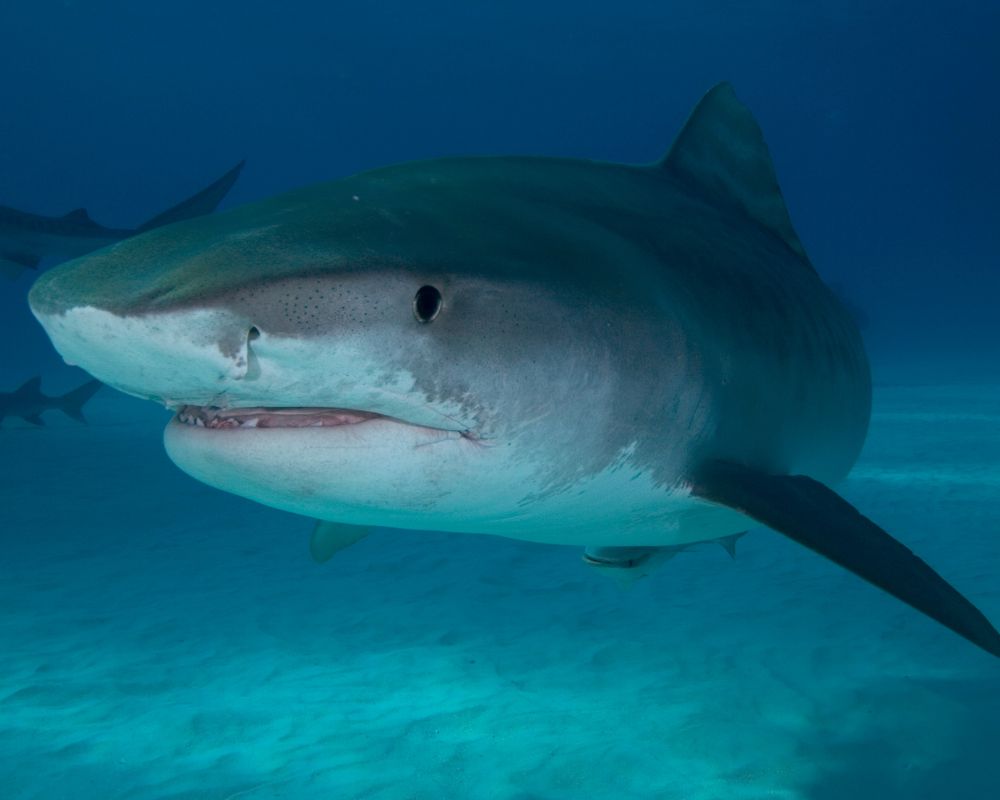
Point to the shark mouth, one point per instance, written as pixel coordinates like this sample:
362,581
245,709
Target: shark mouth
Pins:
212,417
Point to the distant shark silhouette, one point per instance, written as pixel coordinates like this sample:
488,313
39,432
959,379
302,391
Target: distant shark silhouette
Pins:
29,403
26,238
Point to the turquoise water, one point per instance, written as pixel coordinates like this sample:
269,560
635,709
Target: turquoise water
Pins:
164,640
161,640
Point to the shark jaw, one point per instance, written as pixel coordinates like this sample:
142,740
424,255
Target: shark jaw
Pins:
216,418
360,467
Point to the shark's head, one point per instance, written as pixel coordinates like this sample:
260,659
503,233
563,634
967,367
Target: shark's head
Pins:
373,349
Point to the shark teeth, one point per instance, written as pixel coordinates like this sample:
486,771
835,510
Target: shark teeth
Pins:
216,418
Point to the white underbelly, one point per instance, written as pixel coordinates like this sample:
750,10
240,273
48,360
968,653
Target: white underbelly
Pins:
375,474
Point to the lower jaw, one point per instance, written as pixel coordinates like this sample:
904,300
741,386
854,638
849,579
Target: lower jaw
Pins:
363,473
334,420
262,417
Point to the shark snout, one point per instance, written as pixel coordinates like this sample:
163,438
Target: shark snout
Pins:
189,356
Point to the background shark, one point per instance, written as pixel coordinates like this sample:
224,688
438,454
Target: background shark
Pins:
28,402
554,350
25,238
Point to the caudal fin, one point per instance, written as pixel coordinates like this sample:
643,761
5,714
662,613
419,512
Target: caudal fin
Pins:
72,403
205,202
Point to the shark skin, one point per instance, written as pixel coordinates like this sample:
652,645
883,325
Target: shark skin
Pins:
26,238
29,403
605,355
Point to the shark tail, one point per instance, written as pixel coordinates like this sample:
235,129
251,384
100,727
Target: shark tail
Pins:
72,403
204,202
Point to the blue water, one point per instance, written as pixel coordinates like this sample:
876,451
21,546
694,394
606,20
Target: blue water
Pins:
159,639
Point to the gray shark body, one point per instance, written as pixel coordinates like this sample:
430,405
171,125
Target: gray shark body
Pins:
26,238
562,351
29,403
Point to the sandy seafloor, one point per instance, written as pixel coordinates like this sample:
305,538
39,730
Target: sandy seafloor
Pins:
160,639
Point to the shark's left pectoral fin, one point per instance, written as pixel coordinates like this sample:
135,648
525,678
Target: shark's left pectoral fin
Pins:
813,515
329,538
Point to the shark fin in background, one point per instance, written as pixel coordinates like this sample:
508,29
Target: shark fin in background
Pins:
809,513
12,264
79,216
720,153
329,538
72,403
34,419
30,387
204,202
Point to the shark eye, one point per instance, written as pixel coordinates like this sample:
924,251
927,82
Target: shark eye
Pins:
426,303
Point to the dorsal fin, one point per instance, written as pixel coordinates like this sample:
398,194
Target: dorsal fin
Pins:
79,216
30,387
720,152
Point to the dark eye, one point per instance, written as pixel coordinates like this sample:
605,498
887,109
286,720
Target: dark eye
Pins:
426,303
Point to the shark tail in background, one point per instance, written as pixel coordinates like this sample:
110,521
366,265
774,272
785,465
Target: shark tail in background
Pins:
72,403
204,202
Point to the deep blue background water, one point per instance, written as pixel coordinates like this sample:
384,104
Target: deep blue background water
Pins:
881,116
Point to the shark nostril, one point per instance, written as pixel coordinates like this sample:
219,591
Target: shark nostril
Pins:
253,365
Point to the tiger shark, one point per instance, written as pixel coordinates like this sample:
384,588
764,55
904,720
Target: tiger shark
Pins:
624,358
29,402
26,238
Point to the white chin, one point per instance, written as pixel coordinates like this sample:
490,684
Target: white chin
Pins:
377,472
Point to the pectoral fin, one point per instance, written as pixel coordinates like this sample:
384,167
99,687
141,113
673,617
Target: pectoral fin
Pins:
331,537
813,515
728,543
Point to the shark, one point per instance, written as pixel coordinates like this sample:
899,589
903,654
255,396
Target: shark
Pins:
29,403
26,238
626,358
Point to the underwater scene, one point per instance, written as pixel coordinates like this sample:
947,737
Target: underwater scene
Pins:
500,400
